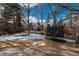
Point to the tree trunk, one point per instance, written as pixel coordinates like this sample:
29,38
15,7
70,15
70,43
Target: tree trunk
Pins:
28,19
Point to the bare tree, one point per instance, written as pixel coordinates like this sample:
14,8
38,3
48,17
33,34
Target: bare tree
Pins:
74,10
41,10
54,10
27,11
11,11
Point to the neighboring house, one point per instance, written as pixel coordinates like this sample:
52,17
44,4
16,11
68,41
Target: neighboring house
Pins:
71,24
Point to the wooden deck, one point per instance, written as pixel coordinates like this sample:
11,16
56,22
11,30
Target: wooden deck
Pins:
36,48
38,51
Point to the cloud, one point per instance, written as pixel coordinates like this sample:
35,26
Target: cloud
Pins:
34,20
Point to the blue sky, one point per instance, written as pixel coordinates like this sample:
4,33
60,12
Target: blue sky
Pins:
35,11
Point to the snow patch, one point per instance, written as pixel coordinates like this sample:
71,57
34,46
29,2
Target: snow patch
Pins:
23,36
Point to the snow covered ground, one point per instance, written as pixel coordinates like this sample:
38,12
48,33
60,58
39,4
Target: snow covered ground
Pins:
22,36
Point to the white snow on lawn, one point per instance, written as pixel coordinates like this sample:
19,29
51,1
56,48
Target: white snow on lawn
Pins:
22,36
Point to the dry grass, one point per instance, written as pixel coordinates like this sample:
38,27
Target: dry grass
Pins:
11,43
22,42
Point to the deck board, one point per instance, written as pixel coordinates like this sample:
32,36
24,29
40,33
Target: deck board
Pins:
37,51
